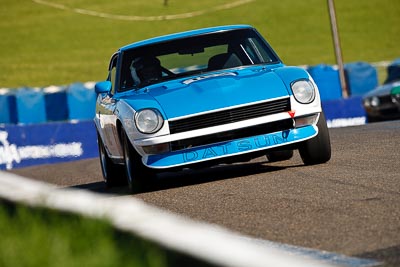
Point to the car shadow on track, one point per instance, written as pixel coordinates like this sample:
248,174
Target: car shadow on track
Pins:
221,172
188,177
387,256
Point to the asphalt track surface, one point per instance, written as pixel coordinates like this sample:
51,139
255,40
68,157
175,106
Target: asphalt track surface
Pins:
350,205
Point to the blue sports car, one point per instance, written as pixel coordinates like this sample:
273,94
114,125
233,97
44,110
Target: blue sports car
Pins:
200,98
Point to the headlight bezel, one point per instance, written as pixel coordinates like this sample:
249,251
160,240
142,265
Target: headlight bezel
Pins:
146,115
303,91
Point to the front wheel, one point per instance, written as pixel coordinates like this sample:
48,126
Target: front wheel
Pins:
318,149
279,155
136,173
113,174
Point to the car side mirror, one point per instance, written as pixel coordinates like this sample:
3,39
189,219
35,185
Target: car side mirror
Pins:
102,87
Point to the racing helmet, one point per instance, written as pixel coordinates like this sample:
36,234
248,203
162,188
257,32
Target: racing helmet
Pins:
146,69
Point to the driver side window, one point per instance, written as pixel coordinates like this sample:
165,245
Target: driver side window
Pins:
113,73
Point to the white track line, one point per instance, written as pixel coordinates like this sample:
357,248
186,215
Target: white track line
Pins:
210,243
144,18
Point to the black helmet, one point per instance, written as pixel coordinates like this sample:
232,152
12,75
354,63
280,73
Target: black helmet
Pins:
147,68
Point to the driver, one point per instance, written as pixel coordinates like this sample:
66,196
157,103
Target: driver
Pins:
146,69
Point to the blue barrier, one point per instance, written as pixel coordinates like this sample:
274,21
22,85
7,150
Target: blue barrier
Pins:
327,79
361,77
81,101
35,144
9,113
393,71
30,105
344,112
56,103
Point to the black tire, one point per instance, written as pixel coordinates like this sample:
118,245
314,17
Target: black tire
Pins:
281,155
318,149
137,175
371,119
113,174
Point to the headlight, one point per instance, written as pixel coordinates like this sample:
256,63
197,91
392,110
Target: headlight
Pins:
148,120
375,101
366,102
303,91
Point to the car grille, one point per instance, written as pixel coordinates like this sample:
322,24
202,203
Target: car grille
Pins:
232,135
229,116
386,99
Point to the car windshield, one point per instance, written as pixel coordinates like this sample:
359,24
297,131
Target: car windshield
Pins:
184,57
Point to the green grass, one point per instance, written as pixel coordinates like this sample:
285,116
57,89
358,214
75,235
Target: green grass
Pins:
41,45
38,237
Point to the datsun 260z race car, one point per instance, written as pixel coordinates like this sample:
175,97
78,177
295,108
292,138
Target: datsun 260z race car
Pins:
204,97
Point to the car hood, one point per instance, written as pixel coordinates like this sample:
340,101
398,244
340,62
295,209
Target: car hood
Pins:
217,90
385,89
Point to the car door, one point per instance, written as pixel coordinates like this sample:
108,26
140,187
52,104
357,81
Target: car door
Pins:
105,111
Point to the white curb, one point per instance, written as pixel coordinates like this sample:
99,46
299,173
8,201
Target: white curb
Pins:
211,243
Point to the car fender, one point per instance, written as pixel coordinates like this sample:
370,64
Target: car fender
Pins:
126,110
291,74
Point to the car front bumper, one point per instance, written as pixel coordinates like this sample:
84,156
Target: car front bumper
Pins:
230,148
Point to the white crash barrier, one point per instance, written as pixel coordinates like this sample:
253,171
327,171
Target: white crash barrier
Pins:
210,243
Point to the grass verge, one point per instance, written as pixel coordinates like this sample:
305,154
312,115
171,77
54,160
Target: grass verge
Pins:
42,237
43,45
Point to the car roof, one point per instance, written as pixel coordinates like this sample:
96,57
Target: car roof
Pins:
183,35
